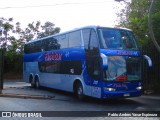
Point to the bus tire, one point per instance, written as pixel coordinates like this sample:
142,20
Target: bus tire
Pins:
32,81
37,85
79,91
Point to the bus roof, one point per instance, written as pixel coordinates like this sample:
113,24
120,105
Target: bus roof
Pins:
92,26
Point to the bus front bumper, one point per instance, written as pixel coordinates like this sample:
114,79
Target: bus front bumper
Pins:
121,94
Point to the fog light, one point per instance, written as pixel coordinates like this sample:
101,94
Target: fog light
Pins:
109,89
139,88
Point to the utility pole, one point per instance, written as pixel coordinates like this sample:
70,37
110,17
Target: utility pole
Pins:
150,26
1,70
1,65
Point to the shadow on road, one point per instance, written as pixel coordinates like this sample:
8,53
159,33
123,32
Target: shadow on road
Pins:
114,103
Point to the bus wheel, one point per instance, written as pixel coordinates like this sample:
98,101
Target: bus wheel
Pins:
79,91
37,83
32,81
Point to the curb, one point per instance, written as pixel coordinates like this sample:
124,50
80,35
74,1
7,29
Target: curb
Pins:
25,96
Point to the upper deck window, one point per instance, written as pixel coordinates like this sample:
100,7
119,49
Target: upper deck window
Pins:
75,39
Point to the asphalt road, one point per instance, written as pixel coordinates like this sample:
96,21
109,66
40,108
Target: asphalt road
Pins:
19,96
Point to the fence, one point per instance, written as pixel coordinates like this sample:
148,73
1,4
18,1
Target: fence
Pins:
151,77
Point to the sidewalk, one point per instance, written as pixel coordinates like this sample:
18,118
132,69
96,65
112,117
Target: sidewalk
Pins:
20,89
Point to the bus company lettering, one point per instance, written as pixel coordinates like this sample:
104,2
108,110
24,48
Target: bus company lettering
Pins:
126,53
134,53
119,85
52,56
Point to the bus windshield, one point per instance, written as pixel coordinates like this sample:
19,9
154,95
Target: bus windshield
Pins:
116,39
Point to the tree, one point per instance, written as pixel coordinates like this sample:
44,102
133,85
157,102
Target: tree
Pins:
18,43
48,29
7,26
135,17
35,30
13,37
31,31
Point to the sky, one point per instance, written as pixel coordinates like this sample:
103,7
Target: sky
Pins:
66,14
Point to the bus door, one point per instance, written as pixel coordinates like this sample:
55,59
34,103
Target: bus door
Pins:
92,54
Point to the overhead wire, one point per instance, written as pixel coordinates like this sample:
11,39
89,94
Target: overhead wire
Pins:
52,5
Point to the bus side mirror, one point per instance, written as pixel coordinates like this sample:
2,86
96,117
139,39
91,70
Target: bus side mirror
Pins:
104,61
149,61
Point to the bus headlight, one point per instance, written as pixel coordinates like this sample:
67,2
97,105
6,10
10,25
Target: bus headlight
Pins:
109,89
139,88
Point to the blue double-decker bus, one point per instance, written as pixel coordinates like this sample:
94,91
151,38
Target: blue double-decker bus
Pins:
94,61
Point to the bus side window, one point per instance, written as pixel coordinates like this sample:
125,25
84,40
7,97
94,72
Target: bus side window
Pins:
63,41
37,46
45,44
32,48
91,46
55,44
75,39
26,48
94,49
86,36
93,42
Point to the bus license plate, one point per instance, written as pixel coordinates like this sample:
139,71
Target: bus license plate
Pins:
126,95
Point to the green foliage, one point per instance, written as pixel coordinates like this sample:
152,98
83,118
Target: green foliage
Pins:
7,26
13,37
31,31
48,29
